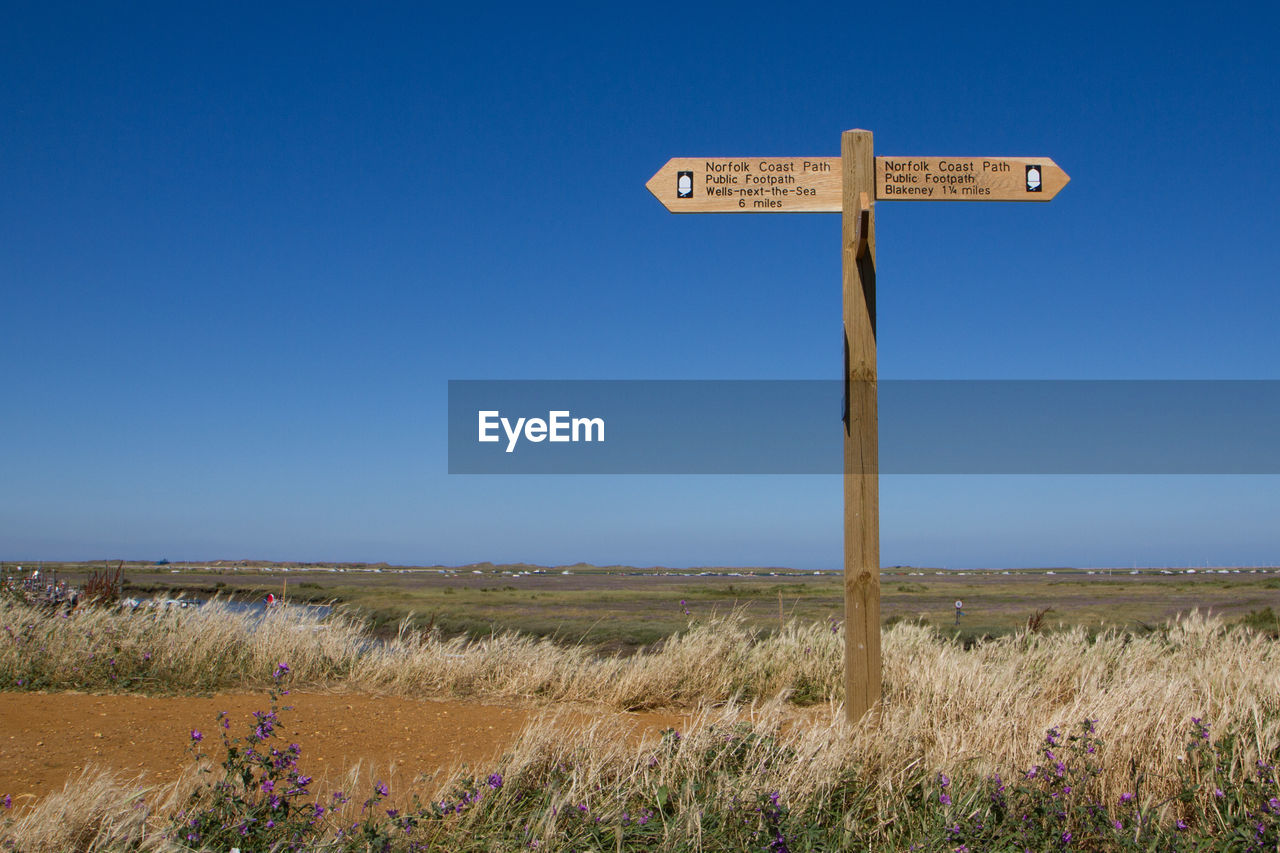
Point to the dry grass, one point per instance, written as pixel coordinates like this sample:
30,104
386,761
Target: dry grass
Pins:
215,648
864,779
973,713
95,811
967,713
1008,689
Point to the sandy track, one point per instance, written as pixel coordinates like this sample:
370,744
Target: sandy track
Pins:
45,739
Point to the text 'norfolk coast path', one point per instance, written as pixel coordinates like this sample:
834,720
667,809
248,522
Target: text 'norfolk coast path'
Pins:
814,184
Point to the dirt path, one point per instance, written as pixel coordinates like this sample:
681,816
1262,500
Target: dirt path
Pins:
45,739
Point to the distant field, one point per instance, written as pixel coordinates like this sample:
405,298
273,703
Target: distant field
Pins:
621,607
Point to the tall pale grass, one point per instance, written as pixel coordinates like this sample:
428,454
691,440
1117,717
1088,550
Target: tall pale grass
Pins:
1010,688
861,784
95,811
214,647
945,709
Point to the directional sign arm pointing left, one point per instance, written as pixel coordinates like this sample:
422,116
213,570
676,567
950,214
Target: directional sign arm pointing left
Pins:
748,185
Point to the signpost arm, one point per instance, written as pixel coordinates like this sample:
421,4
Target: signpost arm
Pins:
861,449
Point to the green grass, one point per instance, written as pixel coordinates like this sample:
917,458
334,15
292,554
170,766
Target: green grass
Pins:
1263,621
620,610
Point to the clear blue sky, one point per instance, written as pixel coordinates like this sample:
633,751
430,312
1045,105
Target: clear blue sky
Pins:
243,247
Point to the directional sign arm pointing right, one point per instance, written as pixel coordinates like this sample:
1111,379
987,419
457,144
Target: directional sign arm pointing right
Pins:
968,179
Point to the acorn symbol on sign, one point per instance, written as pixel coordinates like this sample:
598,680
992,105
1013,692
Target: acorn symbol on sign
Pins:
1033,178
684,185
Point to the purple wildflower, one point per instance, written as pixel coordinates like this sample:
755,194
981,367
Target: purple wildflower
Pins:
196,736
281,669
381,788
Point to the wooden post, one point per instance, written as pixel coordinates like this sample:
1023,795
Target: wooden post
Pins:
754,185
861,447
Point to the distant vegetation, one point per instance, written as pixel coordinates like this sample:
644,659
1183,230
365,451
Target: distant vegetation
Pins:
623,609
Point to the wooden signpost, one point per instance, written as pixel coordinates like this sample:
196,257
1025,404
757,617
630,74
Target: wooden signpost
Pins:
814,184
851,184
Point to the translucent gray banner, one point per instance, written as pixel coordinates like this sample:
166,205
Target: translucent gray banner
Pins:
925,427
